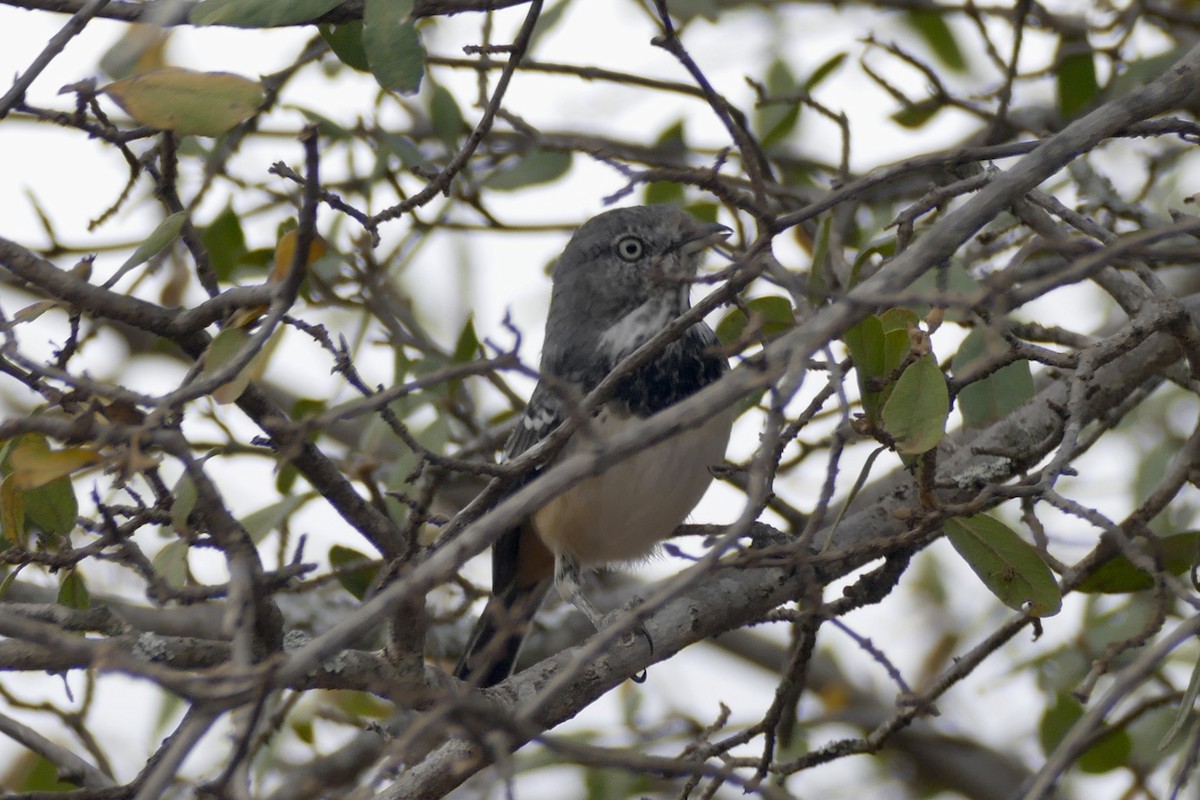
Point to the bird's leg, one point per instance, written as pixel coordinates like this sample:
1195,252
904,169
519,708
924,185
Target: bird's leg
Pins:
568,579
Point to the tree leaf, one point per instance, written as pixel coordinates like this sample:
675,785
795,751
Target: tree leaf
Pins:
184,500
664,193
224,241
915,413
223,349
259,13
356,571
1119,576
917,114
52,508
827,68
159,239
1075,76
865,343
1111,751
171,563
272,518
72,592
772,312
346,41
1009,566
467,346
776,120
1185,712
393,45
535,167
931,26
303,408
992,398
546,22
34,464
188,102
446,117
12,511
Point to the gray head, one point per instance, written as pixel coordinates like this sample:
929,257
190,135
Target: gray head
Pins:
624,272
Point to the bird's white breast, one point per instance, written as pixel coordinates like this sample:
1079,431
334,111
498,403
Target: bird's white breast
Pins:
624,512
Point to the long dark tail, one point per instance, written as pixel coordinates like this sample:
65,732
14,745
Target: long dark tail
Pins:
496,641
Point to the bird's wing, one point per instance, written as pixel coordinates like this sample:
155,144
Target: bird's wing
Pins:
522,566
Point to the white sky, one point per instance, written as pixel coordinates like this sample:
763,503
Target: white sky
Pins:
75,179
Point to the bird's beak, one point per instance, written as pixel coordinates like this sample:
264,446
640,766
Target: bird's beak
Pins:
701,236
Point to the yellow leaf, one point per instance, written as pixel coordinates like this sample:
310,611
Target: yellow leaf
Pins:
34,310
12,511
224,347
34,464
285,252
186,101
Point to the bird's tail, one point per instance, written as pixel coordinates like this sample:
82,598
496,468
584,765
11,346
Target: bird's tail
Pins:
495,643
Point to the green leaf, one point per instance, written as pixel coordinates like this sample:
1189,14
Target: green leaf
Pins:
917,114
546,22
1136,74
171,563
885,248
301,409
898,319
53,507
364,705
184,500
262,522
1119,576
1110,752
160,239
225,347
224,242
346,41
467,346
50,505
355,570
393,45
685,11
772,313
188,102
535,167
824,71
915,413
703,211
931,26
775,121
445,116
985,401
72,592
403,148
1009,566
43,777
865,343
821,274
1075,77
1185,712
664,193
259,13
672,141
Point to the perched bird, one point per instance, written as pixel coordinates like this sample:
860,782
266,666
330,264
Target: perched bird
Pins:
624,276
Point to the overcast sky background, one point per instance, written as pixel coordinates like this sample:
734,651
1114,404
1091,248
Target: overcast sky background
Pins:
75,180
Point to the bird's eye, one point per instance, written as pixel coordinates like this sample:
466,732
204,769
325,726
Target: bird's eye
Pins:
630,248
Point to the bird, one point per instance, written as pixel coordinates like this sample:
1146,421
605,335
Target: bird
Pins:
624,275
